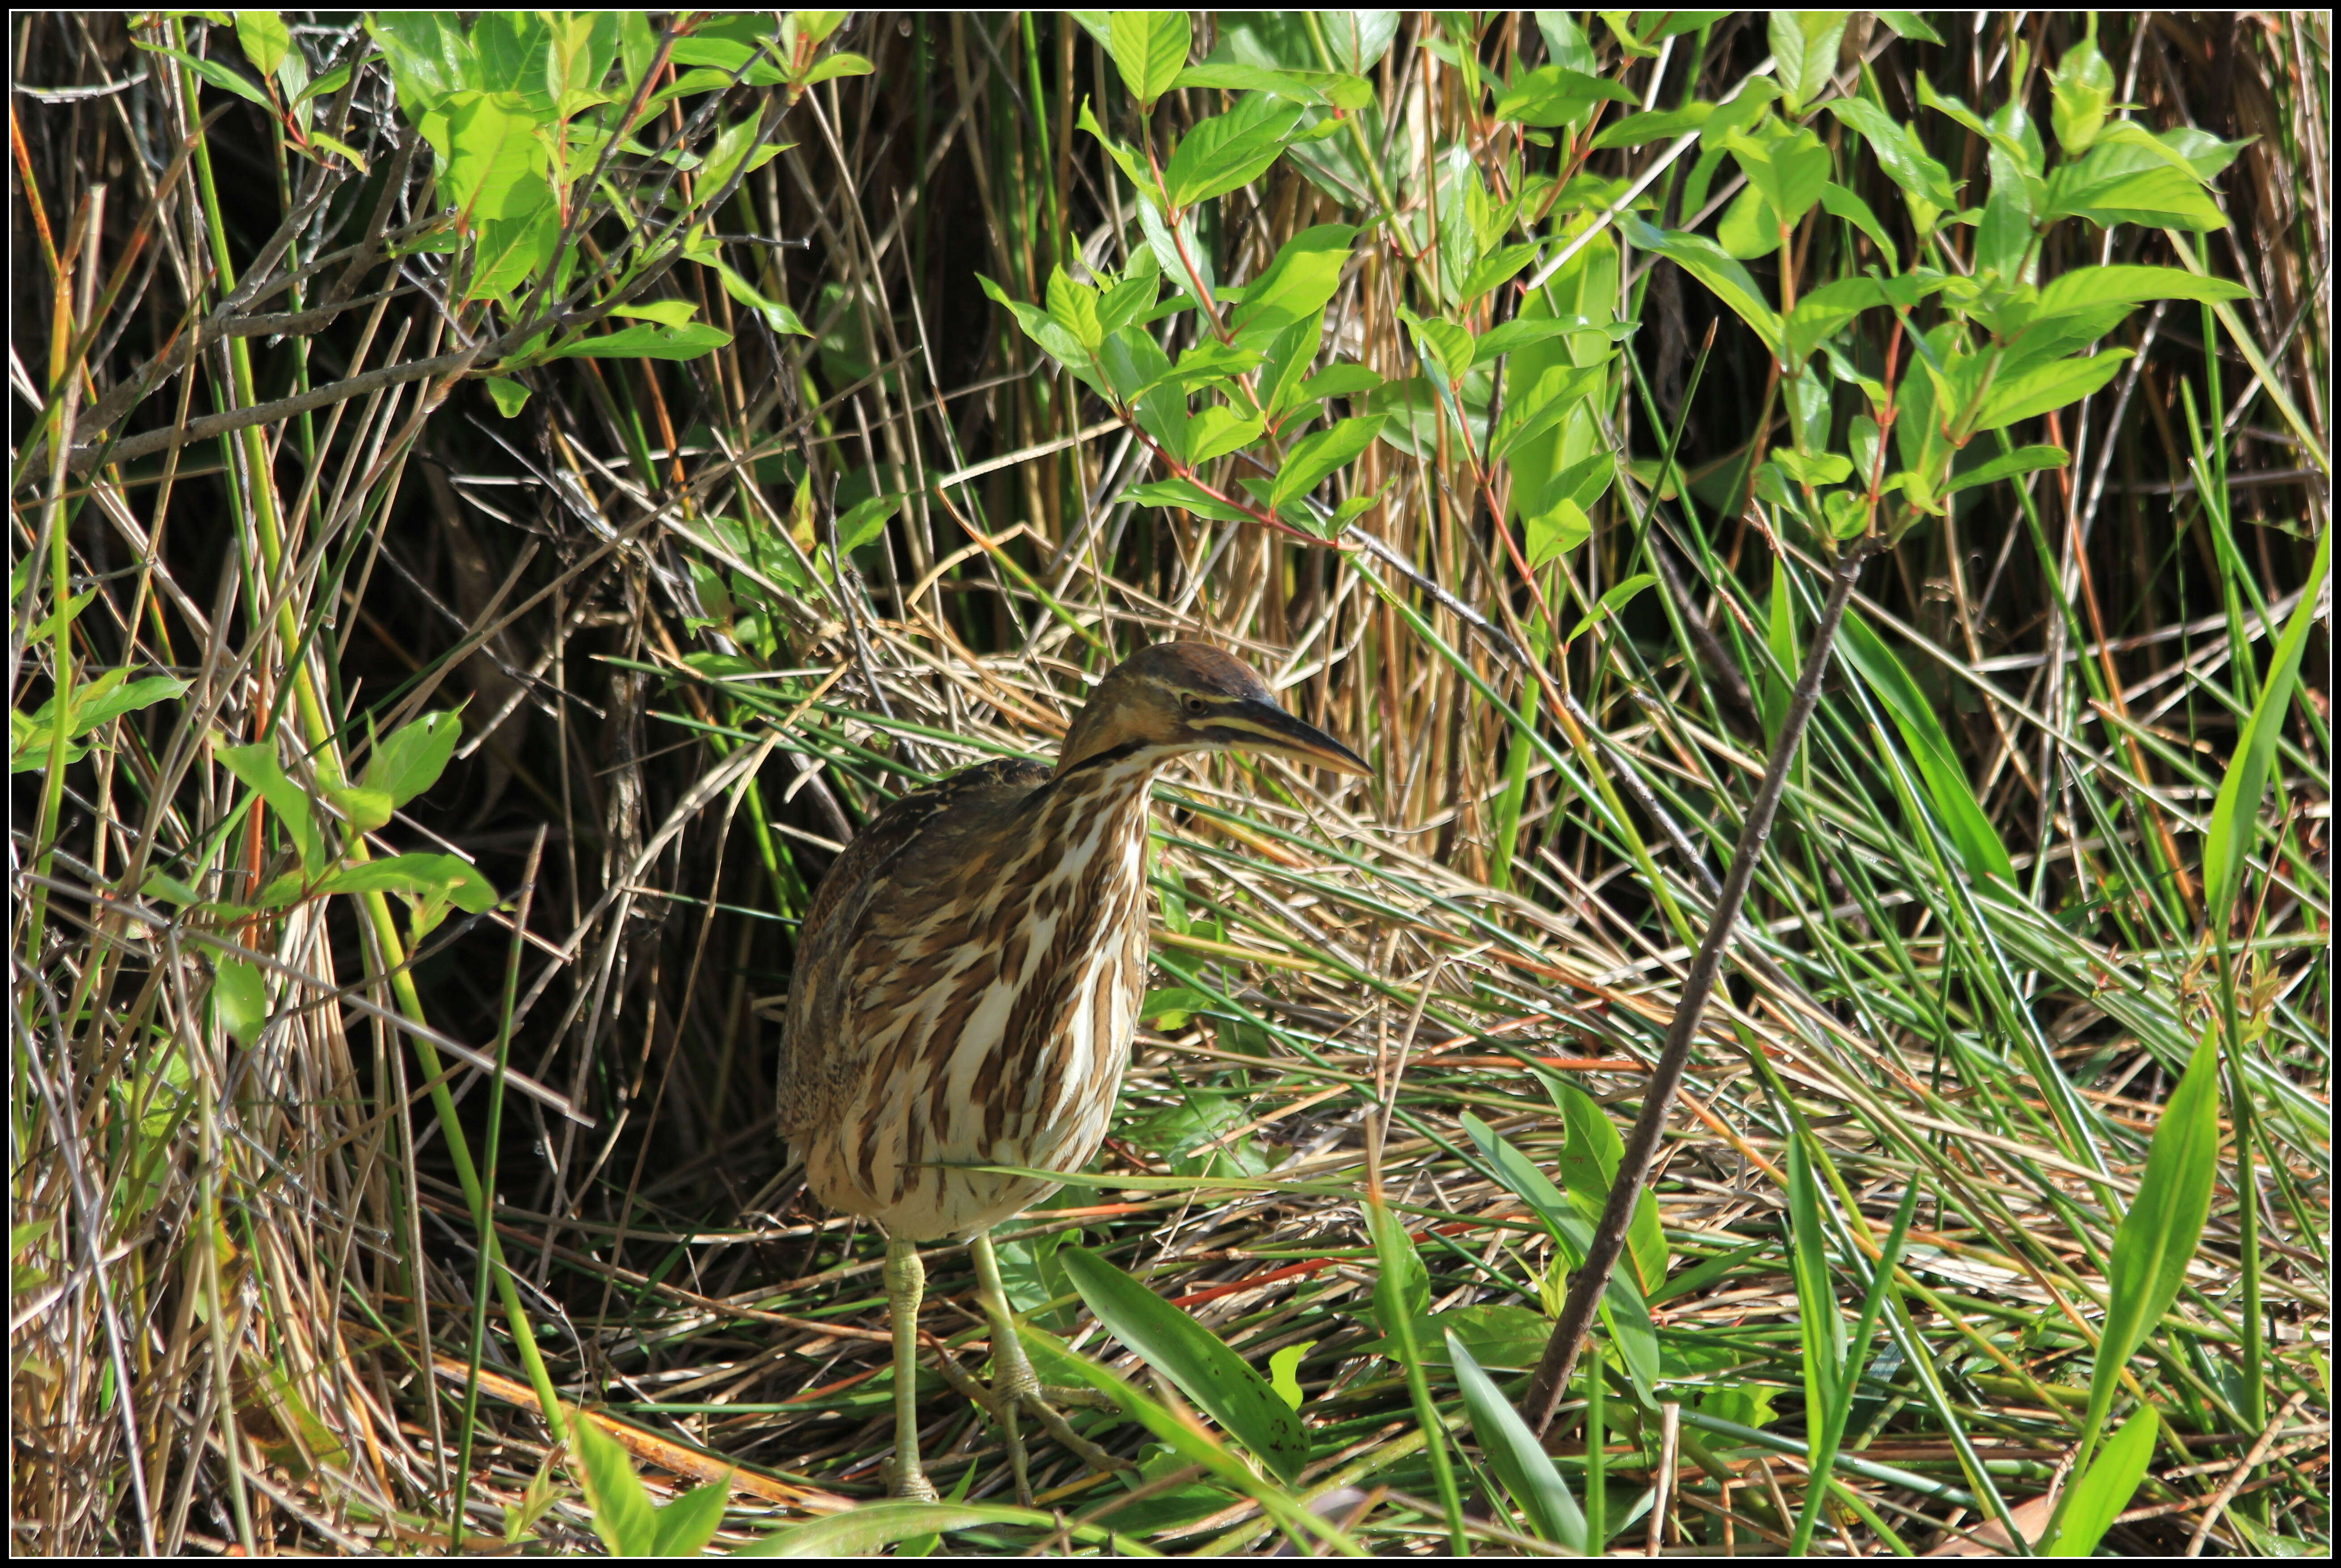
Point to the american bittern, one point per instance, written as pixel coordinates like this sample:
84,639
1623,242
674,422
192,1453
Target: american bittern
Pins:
967,989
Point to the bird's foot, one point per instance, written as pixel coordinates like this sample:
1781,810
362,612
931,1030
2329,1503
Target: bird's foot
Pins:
907,1481
1016,1391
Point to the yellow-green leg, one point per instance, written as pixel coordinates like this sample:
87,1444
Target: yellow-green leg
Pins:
906,1282
1016,1387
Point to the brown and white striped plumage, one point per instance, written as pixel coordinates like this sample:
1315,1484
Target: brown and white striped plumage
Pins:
968,981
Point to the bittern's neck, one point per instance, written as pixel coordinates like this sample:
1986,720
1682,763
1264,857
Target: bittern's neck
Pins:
1116,779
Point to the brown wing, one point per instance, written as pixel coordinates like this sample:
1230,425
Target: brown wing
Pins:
817,1042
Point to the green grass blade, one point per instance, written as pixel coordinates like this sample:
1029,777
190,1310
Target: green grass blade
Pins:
1519,1461
2235,816
2158,1237
1205,1370
2106,1488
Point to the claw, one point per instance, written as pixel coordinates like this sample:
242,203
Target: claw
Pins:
1014,1390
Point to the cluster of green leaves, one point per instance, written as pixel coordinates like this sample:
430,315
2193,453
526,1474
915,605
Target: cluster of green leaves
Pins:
404,765
521,108
2007,347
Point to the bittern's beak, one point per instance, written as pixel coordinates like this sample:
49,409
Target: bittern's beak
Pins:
1262,726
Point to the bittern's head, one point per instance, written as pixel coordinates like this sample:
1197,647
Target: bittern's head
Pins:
1181,697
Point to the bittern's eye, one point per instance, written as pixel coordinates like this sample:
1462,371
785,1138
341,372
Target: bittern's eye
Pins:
1196,706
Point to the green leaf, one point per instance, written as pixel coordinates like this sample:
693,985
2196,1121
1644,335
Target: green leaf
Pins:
242,999
1814,469
1556,530
1218,430
1314,457
1948,789
1047,328
1519,1460
865,521
1641,130
1554,95
1705,261
410,760
509,394
2106,1488
1284,1369
2082,88
1899,151
1149,50
1126,159
444,878
1337,88
2235,815
647,342
2158,1237
1230,151
1820,314
622,1514
1300,283
1819,1321
1589,1160
1909,24
1500,268
1804,51
841,64
2037,389
257,768
1611,603
2122,182
1843,203
1187,496
1184,260
1074,306
2093,288
1205,1370
265,38
2023,460
222,76
1790,167
1446,345
1622,1306
2204,153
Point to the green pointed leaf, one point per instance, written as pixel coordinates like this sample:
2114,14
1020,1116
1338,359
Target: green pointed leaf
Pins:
1182,1350
2106,1488
242,997
2235,815
1899,151
258,769
2158,1237
1149,50
1946,781
1218,430
1187,496
2082,88
1554,95
1519,1460
1230,151
1706,261
410,760
2122,181
2023,460
1316,456
444,878
1804,51
1284,1370
646,342
2037,389
1843,203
